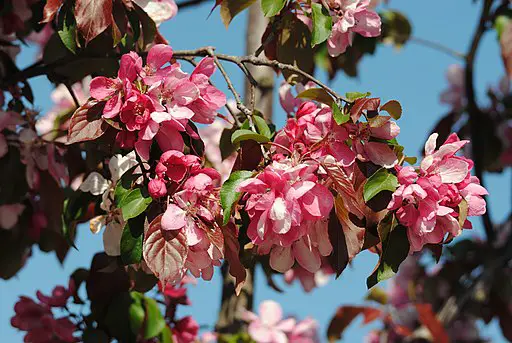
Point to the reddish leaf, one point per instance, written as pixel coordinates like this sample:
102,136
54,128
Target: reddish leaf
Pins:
50,10
106,279
86,123
339,256
216,237
345,315
506,47
165,252
428,318
232,251
354,235
93,17
364,104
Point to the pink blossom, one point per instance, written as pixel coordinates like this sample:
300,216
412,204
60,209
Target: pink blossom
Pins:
158,10
9,215
8,120
290,102
309,280
428,202
59,296
351,17
185,330
269,327
304,331
157,188
286,205
455,95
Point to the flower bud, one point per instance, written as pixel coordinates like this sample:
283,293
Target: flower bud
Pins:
157,188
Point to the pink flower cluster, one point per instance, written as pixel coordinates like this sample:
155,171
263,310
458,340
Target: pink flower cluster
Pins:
313,131
270,327
431,199
38,320
156,101
192,207
288,207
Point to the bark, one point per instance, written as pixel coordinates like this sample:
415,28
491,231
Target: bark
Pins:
261,97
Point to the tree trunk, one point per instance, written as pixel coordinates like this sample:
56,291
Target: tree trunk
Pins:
232,305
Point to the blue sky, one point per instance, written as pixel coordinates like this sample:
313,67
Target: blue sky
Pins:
414,75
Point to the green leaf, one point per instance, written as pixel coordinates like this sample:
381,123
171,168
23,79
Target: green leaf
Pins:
261,126
228,194
244,135
134,203
395,250
136,312
67,29
353,96
166,335
322,24
338,114
131,240
378,295
317,94
155,322
123,186
382,180
272,7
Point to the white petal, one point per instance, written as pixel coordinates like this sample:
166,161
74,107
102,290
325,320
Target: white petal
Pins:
95,184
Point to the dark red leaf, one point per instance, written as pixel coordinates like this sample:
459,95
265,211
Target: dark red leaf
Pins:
50,10
106,279
249,156
428,318
165,252
93,17
231,253
506,47
86,124
339,256
364,104
345,315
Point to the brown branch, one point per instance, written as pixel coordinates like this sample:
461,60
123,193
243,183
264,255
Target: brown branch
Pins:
476,116
190,3
437,46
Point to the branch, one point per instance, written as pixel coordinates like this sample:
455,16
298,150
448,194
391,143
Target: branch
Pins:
475,114
190,3
438,46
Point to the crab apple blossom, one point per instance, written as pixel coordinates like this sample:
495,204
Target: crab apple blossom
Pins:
351,17
427,200
308,280
286,205
185,330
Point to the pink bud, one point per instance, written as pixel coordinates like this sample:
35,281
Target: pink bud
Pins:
157,188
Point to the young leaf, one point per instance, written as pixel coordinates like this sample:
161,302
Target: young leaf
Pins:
353,96
345,315
395,250
50,10
338,114
131,240
363,104
134,203
428,318
155,322
93,17
67,28
317,94
382,180
136,312
272,7
86,123
394,109
232,251
262,126
230,8
322,23
243,135
228,194
165,252
339,256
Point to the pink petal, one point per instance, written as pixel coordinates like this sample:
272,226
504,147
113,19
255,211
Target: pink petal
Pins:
102,87
259,332
318,202
206,67
174,218
307,258
281,259
159,55
452,170
142,147
270,312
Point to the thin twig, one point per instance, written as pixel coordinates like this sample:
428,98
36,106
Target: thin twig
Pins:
190,3
73,95
438,46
